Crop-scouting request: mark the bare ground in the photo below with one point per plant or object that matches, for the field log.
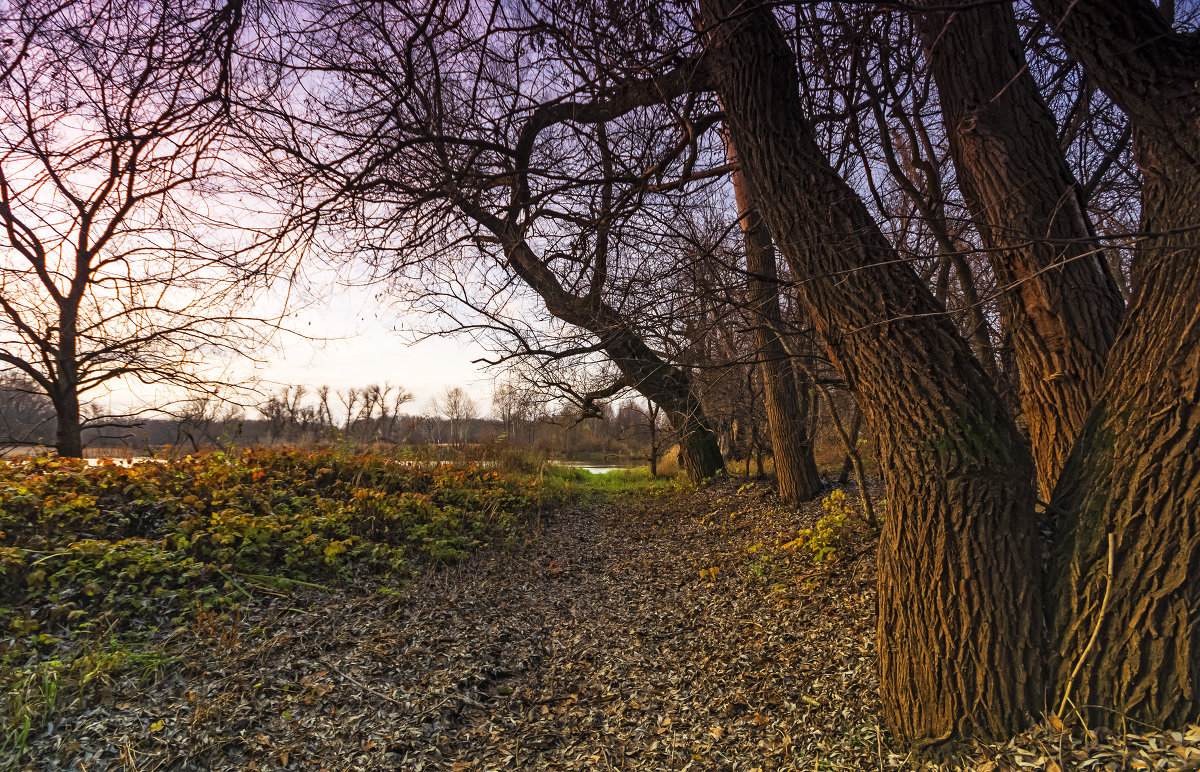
(600, 639)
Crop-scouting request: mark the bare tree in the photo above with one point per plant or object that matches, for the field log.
(479, 183)
(372, 412)
(515, 405)
(26, 414)
(460, 410)
(350, 403)
(208, 421)
(114, 146)
(654, 435)
(324, 414)
(380, 412)
(288, 419)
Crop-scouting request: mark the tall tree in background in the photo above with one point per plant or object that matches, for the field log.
(795, 465)
(113, 143)
(460, 410)
(515, 404)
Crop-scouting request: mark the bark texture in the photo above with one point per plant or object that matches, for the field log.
(1134, 477)
(1061, 304)
(959, 611)
(795, 465)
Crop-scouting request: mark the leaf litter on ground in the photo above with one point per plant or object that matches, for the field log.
(673, 632)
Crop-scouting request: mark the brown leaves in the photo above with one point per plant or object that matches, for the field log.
(594, 646)
(623, 659)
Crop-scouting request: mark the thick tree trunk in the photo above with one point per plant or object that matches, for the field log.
(1135, 478)
(959, 610)
(68, 441)
(795, 465)
(699, 453)
(1127, 614)
(1061, 304)
(670, 388)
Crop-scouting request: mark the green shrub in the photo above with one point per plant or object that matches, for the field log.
(109, 551)
(831, 531)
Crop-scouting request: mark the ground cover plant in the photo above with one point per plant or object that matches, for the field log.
(626, 631)
(100, 565)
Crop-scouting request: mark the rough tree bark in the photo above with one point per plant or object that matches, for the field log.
(68, 437)
(1133, 479)
(959, 610)
(1061, 304)
(795, 465)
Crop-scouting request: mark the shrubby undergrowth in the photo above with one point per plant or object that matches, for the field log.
(94, 558)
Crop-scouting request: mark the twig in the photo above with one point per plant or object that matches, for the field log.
(1095, 630)
(329, 664)
(879, 746)
(284, 580)
(851, 451)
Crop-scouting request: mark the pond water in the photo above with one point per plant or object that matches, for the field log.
(591, 468)
(123, 461)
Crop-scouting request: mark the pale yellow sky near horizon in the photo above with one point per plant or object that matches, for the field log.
(365, 343)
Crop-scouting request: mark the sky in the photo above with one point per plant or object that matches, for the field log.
(364, 342)
(369, 344)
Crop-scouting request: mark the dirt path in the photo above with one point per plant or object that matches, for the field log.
(596, 644)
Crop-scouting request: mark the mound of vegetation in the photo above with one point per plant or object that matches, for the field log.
(96, 559)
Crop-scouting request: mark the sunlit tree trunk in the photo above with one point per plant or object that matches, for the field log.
(1061, 304)
(1128, 563)
(959, 611)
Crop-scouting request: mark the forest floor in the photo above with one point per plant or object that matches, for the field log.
(674, 631)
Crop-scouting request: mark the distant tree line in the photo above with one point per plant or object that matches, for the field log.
(370, 416)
